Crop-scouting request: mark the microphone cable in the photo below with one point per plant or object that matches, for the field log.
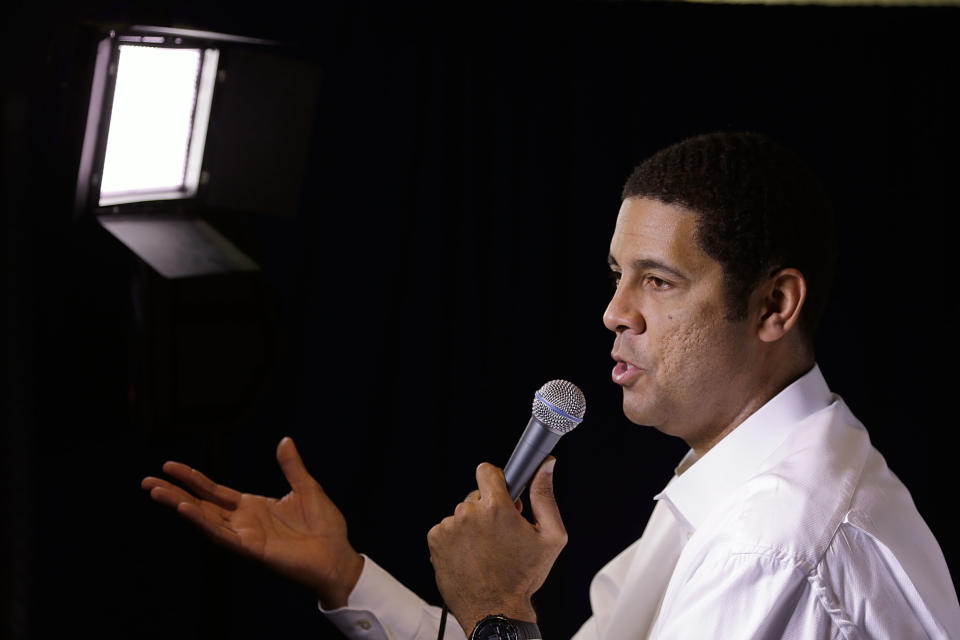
(443, 622)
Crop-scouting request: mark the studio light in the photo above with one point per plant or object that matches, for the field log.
(158, 123)
(184, 124)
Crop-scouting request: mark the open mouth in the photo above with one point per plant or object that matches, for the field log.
(625, 372)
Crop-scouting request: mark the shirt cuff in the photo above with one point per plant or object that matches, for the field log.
(379, 607)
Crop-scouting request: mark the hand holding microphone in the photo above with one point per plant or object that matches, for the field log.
(487, 557)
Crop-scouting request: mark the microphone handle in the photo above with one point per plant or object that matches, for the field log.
(535, 444)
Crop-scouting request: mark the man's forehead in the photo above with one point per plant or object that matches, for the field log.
(651, 225)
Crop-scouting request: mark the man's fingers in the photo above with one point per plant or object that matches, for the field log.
(150, 482)
(203, 486)
(546, 513)
(491, 483)
(293, 468)
(210, 518)
(167, 494)
(174, 497)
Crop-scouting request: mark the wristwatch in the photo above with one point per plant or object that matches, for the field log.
(500, 627)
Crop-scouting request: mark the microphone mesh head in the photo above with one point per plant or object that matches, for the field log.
(559, 405)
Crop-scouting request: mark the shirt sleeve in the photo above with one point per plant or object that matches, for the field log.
(381, 608)
(758, 595)
(765, 594)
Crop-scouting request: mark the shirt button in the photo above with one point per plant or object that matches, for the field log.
(364, 624)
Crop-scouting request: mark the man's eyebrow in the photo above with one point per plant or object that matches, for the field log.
(643, 264)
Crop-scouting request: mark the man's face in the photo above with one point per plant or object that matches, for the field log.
(682, 365)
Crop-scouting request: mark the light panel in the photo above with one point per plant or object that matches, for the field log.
(151, 123)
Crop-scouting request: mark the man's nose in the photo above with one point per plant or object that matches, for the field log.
(622, 313)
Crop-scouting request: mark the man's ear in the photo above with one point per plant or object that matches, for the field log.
(782, 297)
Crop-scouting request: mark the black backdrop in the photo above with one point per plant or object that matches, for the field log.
(448, 258)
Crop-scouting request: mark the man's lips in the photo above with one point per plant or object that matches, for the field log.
(624, 372)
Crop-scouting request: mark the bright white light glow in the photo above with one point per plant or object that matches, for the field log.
(151, 122)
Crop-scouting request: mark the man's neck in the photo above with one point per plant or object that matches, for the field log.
(765, 387)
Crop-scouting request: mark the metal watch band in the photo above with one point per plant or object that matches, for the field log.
(527, 630)
(524, 630)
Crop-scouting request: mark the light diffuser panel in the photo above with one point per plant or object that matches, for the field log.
(150, 122)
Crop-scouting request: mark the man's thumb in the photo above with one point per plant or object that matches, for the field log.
(292, 465)
(542, 501)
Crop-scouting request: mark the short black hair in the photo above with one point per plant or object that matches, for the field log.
(759, 208)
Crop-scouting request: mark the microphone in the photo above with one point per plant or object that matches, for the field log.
(558, 407)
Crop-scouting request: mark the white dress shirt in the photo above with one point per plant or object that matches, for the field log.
(792, 526)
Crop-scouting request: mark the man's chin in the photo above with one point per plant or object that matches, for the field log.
(637, 413)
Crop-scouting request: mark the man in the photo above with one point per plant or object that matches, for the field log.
(781, 521)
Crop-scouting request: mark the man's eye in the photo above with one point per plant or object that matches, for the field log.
(658, 283)
(615, 278)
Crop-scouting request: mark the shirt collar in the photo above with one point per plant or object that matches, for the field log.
(699, 484)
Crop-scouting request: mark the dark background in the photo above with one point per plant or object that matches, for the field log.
(448, 258)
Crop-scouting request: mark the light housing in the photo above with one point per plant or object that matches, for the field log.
(175, 111)
(183, 124)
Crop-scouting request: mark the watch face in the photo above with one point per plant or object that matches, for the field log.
(496, 629)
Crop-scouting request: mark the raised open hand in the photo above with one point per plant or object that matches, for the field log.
(302, 536)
